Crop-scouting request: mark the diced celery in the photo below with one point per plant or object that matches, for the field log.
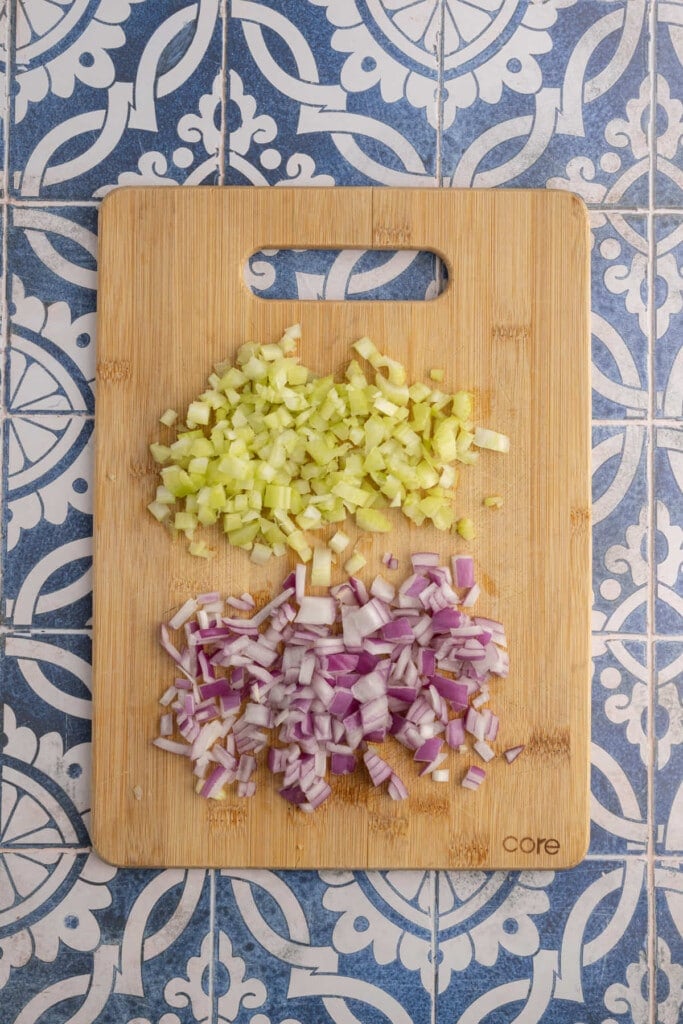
(465, 527)
(355, 563)
(372, 521)
(260, 554)
(185, 521)
(321, 567)
(198, 412)
(231, 522)
(159, 511)
(160, 452)
(199, 549)
(244, 534)
(338, 542)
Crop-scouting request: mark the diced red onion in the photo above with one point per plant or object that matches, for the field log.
(512, 753)
(328, 693)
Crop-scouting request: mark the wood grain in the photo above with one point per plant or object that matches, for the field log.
(512, 326)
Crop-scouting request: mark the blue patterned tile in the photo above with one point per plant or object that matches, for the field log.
(52, 287)
(80, 939)
(554, 95)
(669, 535)
(334, 92)
(669, 176)
(620, 530)
(669, 323)
(668, 769)
(47, 521)
(4, 33)
(534, 945)
(352, 274)
(341, 942)
(620, 315)
(620, 746)
(114, 93)
(669, 940)
(45, 755)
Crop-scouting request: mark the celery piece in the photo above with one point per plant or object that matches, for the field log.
(372, 521)
(159, 511)
(366, 348)
(491, 439)
(244, 534)
(231, 522)
(185, 521)
(338, 542)
(355, 563)
(260, 554)
(160, 452)
(465, 527)
(321, 568)
(199, 549)
(207, 516)
(198, 412)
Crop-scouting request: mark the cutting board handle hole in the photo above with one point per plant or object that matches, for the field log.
(382, 275)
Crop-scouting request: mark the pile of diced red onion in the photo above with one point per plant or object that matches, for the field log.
(315, 679)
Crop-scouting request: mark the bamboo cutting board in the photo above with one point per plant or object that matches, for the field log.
(512, 326)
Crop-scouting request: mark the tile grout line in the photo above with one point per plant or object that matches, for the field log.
(435, 943)
(5, 335)
(438, 166)
(651, 410)
(224, 93)
(212, 943)
(593, 208)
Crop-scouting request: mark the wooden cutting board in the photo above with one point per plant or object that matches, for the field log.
(513, 327)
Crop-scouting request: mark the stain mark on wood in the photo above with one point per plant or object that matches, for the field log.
(114, 371)
(398, 234)
(429, 805)
(395, 828)
(222, 819)
(348, 791)
(488, 583)
(518, 333)
(550, 743)
(469, 853)
(139, 469)
(580, 519)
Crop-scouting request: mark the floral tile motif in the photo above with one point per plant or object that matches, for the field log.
(296, 945)
(45, 755)
(352, 274)
(335, 92)
(669, 176)
(620, 530)
(668, 773)
(669, 322)
(549, 94)
(669, 535)
(50, 362)
(80, 938)
(668, 939)
(47, 521)
(540, 945)
(620, 315)
(619, 747)
(108, 92)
